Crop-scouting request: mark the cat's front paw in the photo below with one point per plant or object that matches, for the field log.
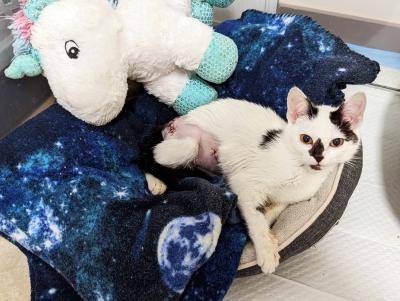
(267, 254)
(155, 185)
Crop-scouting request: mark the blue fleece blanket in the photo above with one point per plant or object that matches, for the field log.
(73, 198)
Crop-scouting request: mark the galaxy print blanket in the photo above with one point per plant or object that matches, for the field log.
(73, 199)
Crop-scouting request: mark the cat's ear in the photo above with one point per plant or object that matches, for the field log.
(353, 109)
(298, 105)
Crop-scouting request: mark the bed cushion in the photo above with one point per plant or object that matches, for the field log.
(14, 273)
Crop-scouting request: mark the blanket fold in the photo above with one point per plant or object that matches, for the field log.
(73, 198)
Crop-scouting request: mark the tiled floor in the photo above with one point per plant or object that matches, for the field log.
(360, 258)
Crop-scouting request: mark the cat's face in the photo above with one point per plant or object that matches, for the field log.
(323, 136)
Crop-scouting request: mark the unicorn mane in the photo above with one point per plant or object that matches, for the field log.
(22, 22)
(26, 60)
(21, 30)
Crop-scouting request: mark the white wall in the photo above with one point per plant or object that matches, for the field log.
(380, 11)
(235, 10)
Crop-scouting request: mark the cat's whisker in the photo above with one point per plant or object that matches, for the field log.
(354, 161)
(351, 164)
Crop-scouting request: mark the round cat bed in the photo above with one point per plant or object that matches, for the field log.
(302, 225)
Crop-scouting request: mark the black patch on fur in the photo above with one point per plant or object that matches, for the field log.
(264, 207)
(336, 118)
(317, 150)
(270, 137)
(312, 111)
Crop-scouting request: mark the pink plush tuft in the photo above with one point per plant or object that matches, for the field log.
(22, 24)
(22, 3)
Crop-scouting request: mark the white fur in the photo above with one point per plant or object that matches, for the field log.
(94, 85)
(168, 87)
(279, 173)
(153, 41)
(176, 152)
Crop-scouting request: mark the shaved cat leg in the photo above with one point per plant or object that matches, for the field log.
(265, 243)
(169, 176)
(174, 153)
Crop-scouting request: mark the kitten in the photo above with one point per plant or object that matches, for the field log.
(268, 162)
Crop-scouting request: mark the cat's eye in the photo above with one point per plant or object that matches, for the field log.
(336, 142)
(306, 139)
(72, 49)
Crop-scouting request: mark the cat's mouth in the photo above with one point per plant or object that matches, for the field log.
(316, 167)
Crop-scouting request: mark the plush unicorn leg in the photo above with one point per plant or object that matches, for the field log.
(181, 90)
(203, 10)
(168, 87)
(197, 49)
(181, 6)
(220, 3)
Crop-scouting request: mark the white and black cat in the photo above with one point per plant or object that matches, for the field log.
(268, 162)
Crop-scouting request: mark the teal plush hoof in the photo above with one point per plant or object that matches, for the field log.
(203, 11)
(23, 65)
(195, 94)
(220, 59)
(220, 3)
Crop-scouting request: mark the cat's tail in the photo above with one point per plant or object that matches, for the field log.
(176, 153)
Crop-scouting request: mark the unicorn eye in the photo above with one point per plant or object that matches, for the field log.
(72, 49)
(306, 139)
(336, 142)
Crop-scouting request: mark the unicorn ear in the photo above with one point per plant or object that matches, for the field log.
(23, 65)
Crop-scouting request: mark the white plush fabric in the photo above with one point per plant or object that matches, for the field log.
(155, 42)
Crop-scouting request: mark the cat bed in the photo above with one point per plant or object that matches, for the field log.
(276, 53)
(302, 225)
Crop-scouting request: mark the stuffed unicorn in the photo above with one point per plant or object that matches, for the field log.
(89, 49)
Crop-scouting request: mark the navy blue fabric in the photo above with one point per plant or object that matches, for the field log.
(277, 52)
(71, 194)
